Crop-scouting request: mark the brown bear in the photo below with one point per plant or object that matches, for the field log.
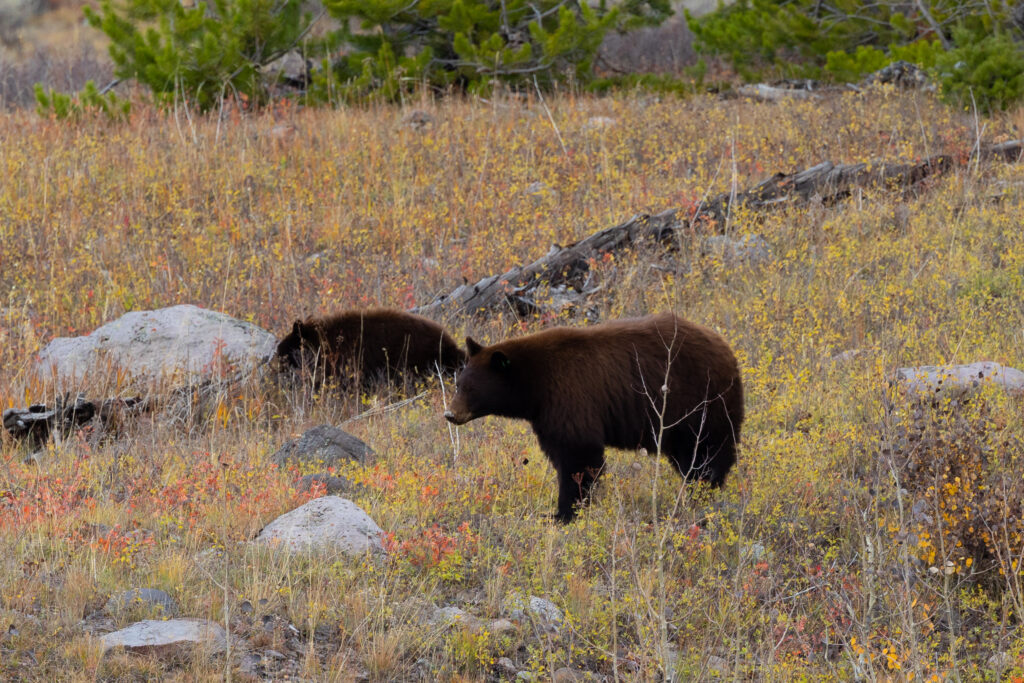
(369, 346)
(626, 384)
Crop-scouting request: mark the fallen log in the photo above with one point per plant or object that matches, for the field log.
(37, 422)
(827, 182)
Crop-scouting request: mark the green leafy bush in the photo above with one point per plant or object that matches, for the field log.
(65, 106)
(989, 71)
(866, 59)
(470, 44)
(845, 38)
(202, 53)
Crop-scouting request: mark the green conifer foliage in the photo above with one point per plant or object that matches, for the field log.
(199, 54)
(471, 44)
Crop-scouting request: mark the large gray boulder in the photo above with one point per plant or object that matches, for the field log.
(322, 445)
(940, 381)
(181, 343)
(14, 13)
(324, 525)
(168, 638)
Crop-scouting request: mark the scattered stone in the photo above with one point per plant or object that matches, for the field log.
(168, 638)
(418, 119)
(290, 69)
(540, 191)
(903, 75)
(569, 675)
(846, 356)
(999, 662)
(538, 608)
(454, 616)
(328, 523)
(142, 597)
(527, 677)
(14, 14)
(505, 668)
(749, 250)
(182, 343)
(323, 445)
(756, 551)
(718, 665)
(931, 381)
(599, 123)
(500, 626)
(251, 664)
(282, 132)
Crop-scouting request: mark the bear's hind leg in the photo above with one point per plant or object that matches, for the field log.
(577, 475)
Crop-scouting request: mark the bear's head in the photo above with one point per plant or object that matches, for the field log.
(302, 345)
(493, 382)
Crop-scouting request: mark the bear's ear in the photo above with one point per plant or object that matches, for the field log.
(499, 361)
(297, 327)
(472, 346)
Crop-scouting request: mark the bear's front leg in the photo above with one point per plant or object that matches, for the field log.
(576, 477)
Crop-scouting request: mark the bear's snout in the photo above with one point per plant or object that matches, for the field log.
(454, 419)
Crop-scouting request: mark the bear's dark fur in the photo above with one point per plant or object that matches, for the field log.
(369, 346)
(583, 389)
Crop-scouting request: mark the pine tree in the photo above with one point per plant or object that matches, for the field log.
(470, 44)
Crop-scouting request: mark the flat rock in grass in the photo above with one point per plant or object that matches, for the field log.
(142, 597)
(538, 608)
(934, 381)
(505, 668)
(168, 638)
(454, 616)
(324, 524)
(748, 250)
(181, 344)
(322, 445)
(569, 675)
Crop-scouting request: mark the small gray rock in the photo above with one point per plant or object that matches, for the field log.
(324, 524)
(168, 638)
(323, 444)
(540, 191)
(500, 626)
(142, 597)
(418, 120)
(569, 675)
(932, 381)
(445, 616)
(749, 250)
(505, 668)
(717, 665)
(538, 608)
(599, 123)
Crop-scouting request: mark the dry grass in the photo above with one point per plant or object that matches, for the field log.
(798, 569)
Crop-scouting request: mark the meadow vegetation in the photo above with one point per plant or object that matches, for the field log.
(859, 537)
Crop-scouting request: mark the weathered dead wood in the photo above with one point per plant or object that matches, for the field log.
(561, 265)
(827, 182)
(37, 422)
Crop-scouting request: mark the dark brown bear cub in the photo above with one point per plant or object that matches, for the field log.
(624, 384)
(369, 346)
